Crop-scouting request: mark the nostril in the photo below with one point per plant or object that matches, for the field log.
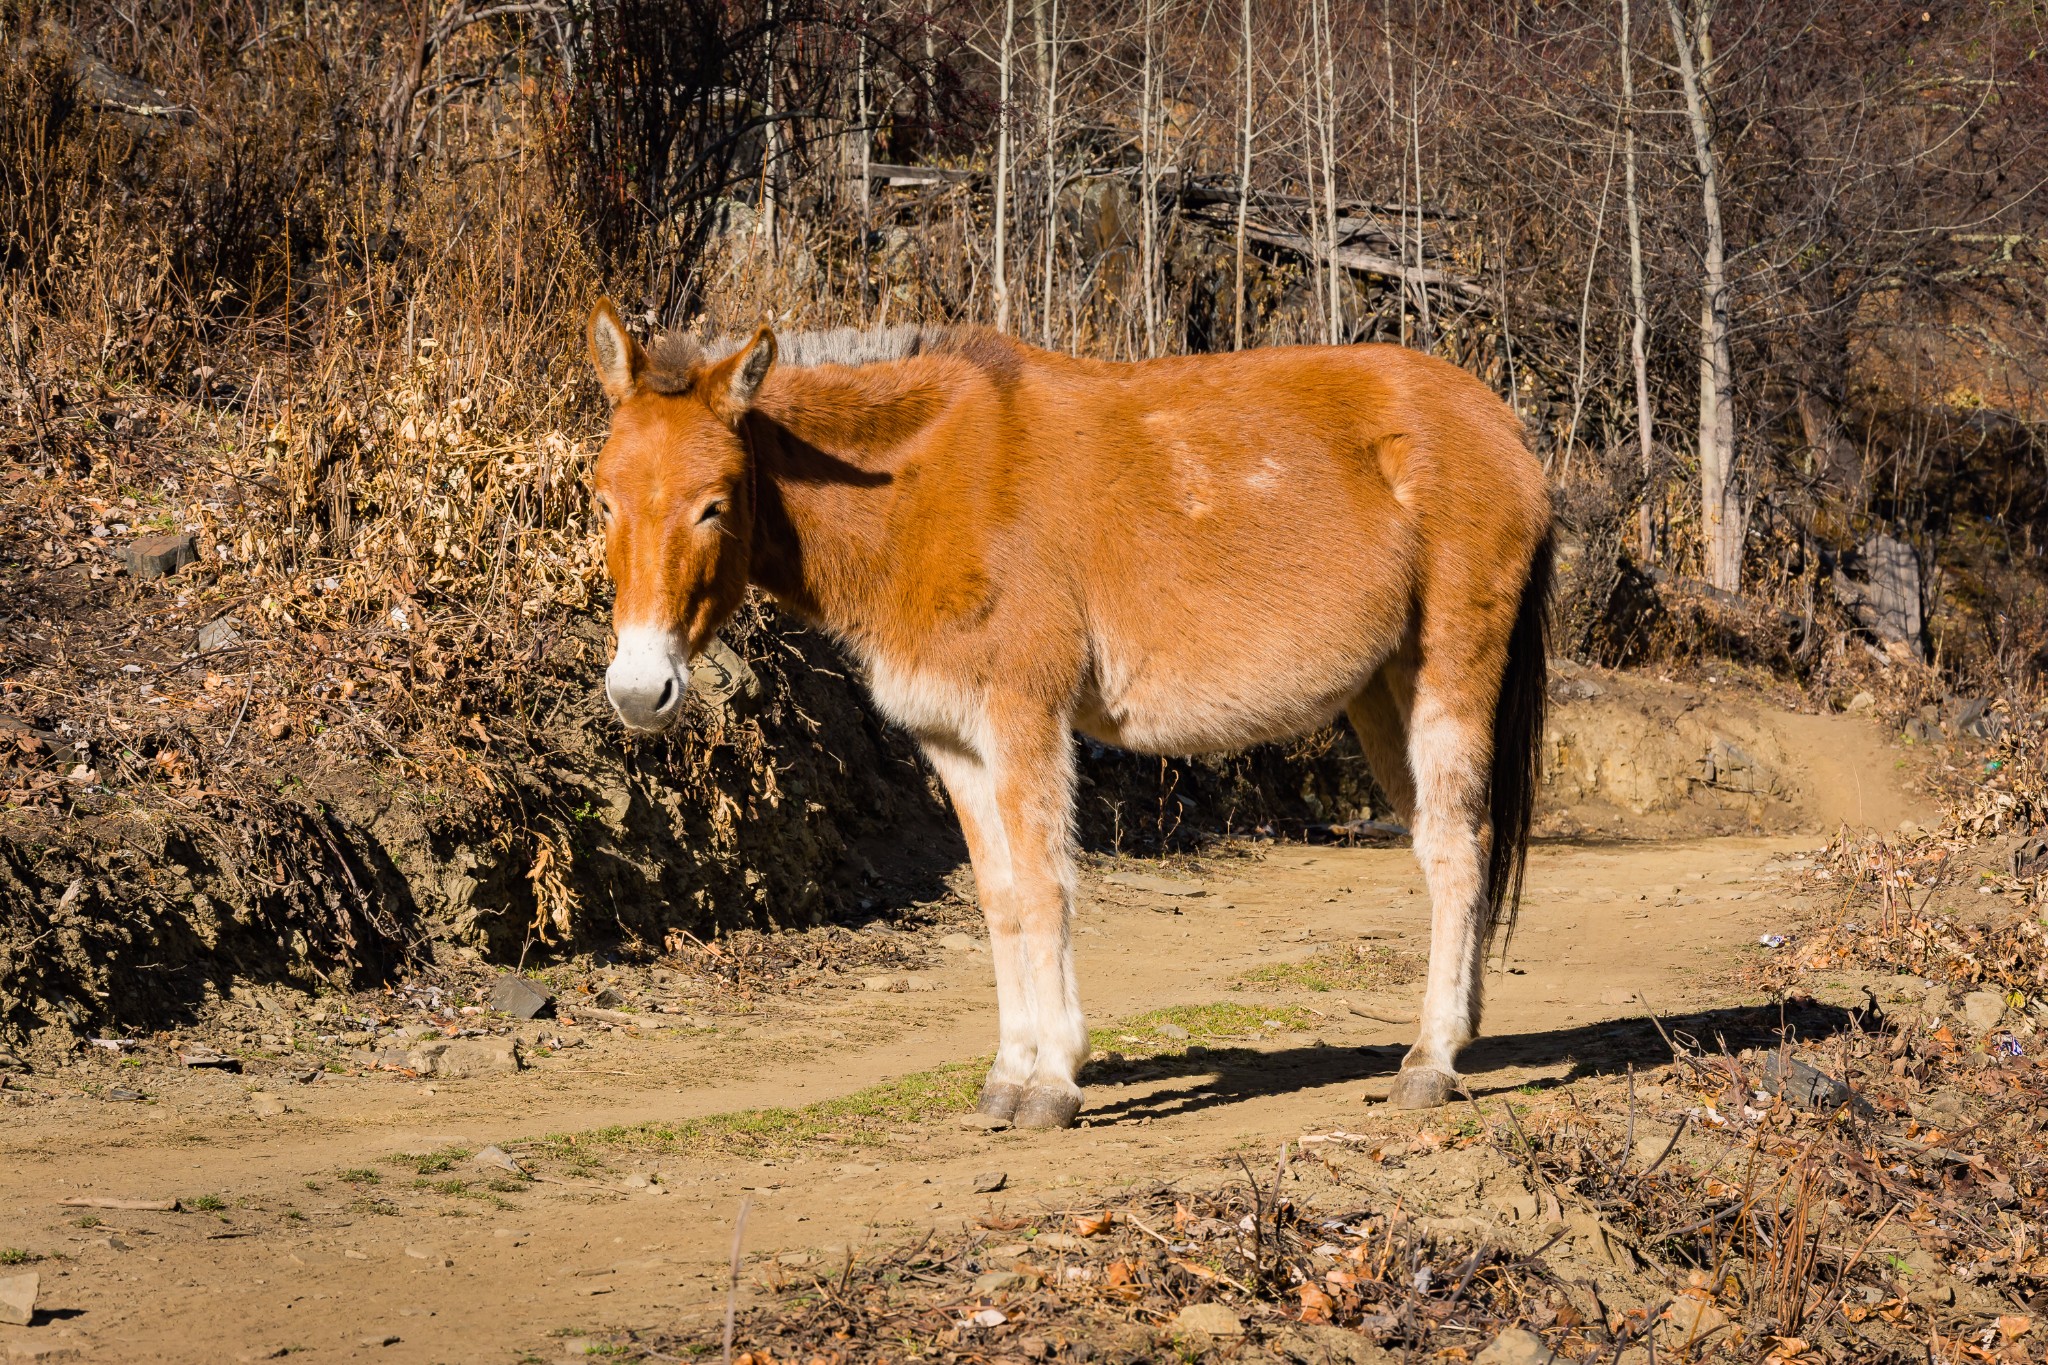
(668, 692)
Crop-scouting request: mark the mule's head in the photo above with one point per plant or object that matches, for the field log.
(674, 491)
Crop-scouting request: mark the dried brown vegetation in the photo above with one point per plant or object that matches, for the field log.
(299, 281)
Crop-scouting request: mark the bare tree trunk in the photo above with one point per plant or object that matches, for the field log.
(1002, 280)
(1425, 328)
(771, 138)
(1401, 192)
(1571, 436)
(1052, 85)
(1147, 245)
(866, 159)
(1721, 515)
(1244, 170)
(1323, 57)
(1639, 333)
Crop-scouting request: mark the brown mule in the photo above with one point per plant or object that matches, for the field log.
(1174, 556)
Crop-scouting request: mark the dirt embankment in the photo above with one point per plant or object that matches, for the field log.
(785, 802)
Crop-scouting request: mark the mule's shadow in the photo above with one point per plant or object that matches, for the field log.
(1229, 1075)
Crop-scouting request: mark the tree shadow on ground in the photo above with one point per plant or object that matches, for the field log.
(1231, 1075)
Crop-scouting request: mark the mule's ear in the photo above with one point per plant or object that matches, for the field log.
(620, 361)
(731, 385)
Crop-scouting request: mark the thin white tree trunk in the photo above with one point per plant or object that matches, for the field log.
(1639, 332)
(1326, 133)
(1721, 517)
(1052, 84)
(1002, 280)
(866, 149)
(1147, 245)
(1244, 171)
(1424, 327)
(1401, 191)
(771, 138)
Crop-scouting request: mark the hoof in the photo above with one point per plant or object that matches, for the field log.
(1421, 1087)
(999, 1101)
(1048, 1109)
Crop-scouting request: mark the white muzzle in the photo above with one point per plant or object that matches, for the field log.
(647, 678)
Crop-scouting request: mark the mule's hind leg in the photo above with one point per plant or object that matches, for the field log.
(1379, 717)
(1450, 748)
(970, 781)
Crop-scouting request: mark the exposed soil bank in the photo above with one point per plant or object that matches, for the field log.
(785, 802)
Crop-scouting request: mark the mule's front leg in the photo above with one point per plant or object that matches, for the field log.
(1035, 794)
(971, 783)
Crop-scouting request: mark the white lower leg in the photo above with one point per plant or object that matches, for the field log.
(1450, 859)
(1448, 761)
(1018, 1030)
(971, 783)
(1056, 1011)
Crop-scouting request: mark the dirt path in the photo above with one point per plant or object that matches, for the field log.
(287, 1244)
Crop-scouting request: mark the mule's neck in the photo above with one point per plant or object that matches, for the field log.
(828, 448)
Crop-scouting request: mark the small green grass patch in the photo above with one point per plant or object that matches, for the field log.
(1347, 967)
(869, 1117)
(432, 1163)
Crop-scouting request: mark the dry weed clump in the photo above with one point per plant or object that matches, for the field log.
(1167, 1274)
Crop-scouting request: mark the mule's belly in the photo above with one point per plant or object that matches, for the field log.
(1236, 701)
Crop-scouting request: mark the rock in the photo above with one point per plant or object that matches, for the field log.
(719, 674)
(200, 1055)
(636, 1181)
(1860, 703)
(1158, 886)
(1691, 1316)
(18, 1298)
(430, 1256)
(1516, 1346)
(379, 1339)
(264, 1353)
(1618, 995)
(155, 556)
(958, 943)
(123, 1095)
(1314, 1343)
(44, 1350)
(988, 1182)
(1002, 1282)
(518, 997)
(1887, 601)
(215, 636)
(1173, 1031)
(1809, 1087)
(1982, 1010)
(496, 1158)
(1972, 718)
(268, 1106)
(460, 1058)
(987, 1123)
(1210, 1319)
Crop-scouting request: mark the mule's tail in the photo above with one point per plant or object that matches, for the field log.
(1518, 744)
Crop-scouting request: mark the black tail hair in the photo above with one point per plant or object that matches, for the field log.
(1518, 743)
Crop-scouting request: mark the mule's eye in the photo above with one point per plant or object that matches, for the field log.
(712, 511)
(604, 513)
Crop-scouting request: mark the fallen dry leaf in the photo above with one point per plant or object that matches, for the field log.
(1315, 1304)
